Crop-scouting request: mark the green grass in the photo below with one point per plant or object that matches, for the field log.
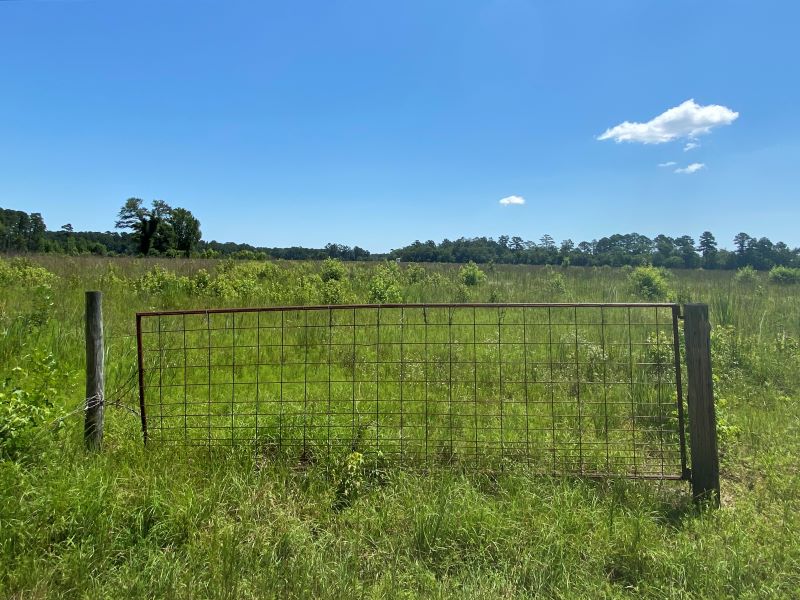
(188, 523)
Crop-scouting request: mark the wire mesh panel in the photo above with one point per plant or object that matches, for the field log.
(591, 389)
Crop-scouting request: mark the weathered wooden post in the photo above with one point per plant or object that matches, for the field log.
(702, 419)
(95, 372)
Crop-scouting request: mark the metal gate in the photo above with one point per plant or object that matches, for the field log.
(589, 389)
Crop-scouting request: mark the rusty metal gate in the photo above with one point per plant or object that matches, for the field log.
(589, 389)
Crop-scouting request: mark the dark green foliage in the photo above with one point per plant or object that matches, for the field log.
(165, 231)
(21, 231)
(616, 250)
(187, 230)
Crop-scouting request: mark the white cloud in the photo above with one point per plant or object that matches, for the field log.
(687, 120)
(692, 168)
(509, 200)
(691, 146)
(670, 163)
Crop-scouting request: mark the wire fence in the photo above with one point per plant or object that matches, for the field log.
(590, 389)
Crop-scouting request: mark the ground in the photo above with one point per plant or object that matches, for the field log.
(160, 522)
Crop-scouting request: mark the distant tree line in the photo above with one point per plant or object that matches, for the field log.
(162, 230)
(616, 250)
(159, 230)
(21, 231)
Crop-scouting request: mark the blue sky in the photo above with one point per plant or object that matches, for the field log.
(377, 123)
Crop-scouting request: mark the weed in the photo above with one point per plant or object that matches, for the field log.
(470, 274)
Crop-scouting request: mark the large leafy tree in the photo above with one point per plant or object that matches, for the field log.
(186, 229)
(150, 226)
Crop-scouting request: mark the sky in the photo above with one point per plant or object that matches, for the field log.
(379, 123)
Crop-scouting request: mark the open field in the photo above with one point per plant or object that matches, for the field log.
(234, 524)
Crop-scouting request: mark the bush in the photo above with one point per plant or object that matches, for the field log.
(555, 283)
(333, 270)
(416, 274)
(159, 280)
(24, 273)
(470, 274)
(384, 287)
(649, 283)
(746, 276)
(333, 291)
(784, 275)
(26, 404)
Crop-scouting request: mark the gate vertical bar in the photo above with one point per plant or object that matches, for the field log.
(702, 419)
(140, 360)
(676, 341)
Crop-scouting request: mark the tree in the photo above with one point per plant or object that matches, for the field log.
(68, 228)
(741, 240)
(147, 225)
(708, 244)
(665, 248)
(547, 241)
(37, 231)
(708, 248)
(186, 229)
(685, 245)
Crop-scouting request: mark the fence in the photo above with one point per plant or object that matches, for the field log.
(589, 389)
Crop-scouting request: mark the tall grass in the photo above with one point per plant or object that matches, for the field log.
(130, 522)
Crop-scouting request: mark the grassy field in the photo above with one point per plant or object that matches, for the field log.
(186, 523)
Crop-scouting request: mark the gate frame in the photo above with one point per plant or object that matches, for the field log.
(704, 471)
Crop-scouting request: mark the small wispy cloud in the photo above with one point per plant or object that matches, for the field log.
(692, 168)
(687, 120)
(670, 163)
(512, 200)
(691, 146)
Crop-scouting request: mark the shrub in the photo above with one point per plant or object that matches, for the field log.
(333, 270)
(555, 283)
(201, 281)
(111, 278)
(384, 287)
(470, 274)
(24, 273)
(238, 281)
(462, 293)
(159, 280)
(416, 274)
(649, 283)
(727, 354)
(333, 291)
(746, 276)
(26, 404)
(784, 275)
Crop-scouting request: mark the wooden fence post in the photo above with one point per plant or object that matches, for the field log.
(95, 372)
(702, 419)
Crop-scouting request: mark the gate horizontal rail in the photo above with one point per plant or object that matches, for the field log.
(569, 388)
